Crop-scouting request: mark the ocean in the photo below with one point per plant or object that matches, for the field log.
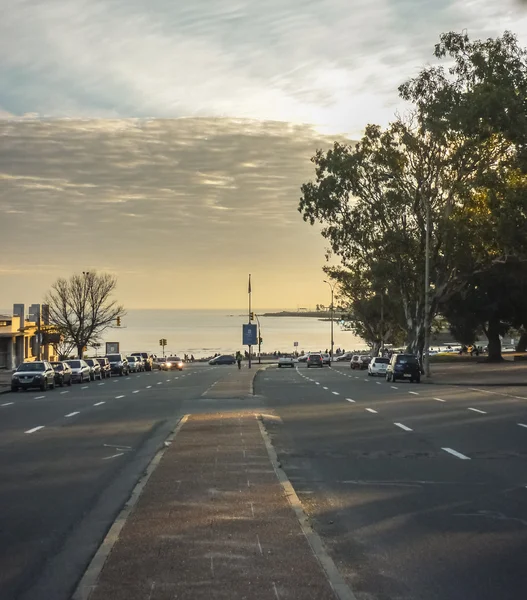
(205, 332)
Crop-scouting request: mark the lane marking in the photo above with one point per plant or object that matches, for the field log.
(159, 382)
(336, 393)
(440, 399)
(403, 427)
(84, 387)
(34, 429)
(414, 393)
(371, 410)
(317, 382)
(72, 414)
(117, 397)
(350, 400)
(522, 425)
(367, 380)
(135, 392)
(100, 384)
(7, 404)
(168, 380)
(324, 387)
(378, 383)
(66, 392)
(394, 388)
(127, 378)
(113, 456)
(456, 454)
(98, 403)
(39, 397)
(477, 410)
(148, 387)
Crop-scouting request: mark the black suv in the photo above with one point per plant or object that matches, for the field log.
(62, 373)
(403, 366)
(106, 370)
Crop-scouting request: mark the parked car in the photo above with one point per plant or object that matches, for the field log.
(157, 362)
(326, 358)
(403, 366)
(223, 359)
(80, 370)
(378, 366)
(303, 358)
(62, 373)
(106, 370)
(286, 361)
(95, 368)
(355, 361)
(39, 374)
(343, 357)
(118, 364)
(135, 363)
(315, 360)
(172, 363)
(146, 358)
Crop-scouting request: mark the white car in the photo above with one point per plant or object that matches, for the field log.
(378, 366)
(326, 359)
(286, 361)
(80, 370)
(135, 363)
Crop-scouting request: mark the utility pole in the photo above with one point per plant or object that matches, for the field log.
(250, 316)
(382, 322)
(331, 287)
(426, 357)
(259, 340)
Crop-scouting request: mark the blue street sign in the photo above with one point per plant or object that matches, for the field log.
(249, 335)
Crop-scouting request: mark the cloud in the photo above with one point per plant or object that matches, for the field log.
(332, 63)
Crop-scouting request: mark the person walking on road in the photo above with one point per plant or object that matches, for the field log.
(239, 359)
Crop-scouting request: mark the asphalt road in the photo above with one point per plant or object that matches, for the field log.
(69, 459)
(419, 491)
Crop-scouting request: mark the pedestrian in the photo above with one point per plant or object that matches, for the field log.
(239, 359)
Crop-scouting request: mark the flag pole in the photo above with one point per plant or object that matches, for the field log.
(250, 315)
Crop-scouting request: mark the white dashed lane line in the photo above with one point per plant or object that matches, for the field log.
(113, 456)
(456, 454)
(98, 403)
(66, 392)
(477, 410)
(72, 414)
(404, 427)
(317, 382)
(159, 382)
(85, 387)
(39, 397)
(378, 383)
(148, 387)
(117, 397)
(414, 393)
(100, 384)
(394, 388)
(440, 399)
(371, 410)
(34, 429)
(324, 387)
(350, 400)
(135, 392)
(522, 425)
(7, 404)
(336, 393)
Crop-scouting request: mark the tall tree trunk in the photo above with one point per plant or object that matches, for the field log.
(493, 335)
(521, 346)
(80, 351)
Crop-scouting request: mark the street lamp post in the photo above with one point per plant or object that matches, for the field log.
(382, 322)
(332, 287)
(426, 357)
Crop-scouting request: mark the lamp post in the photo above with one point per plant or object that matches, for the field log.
(426, 357)
(382, 322)
(259, 338)
(332, 287)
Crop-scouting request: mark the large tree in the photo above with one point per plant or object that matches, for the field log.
(81, 308)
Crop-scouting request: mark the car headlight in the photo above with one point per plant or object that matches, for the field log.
(180, 364)
(14, 377)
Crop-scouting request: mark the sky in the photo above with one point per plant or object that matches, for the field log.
(166, 141)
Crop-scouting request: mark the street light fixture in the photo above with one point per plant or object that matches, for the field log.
(332, 287)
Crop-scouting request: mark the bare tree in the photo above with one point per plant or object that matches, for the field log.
(81, 308)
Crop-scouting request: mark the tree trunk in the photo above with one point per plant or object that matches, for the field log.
(522, 343)
(493, 335)
(80, 351)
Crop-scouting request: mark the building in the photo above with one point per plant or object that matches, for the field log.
(19, 339)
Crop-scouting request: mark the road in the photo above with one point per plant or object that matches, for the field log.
(419, 491)
(69, 458)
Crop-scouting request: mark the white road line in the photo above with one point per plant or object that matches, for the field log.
(355, 376)
(371, 410)
(34, 429)
(336, 393)
(72, 414)
(135, 392)
(85, 387)
(98, 403)
(169, 380)
(39, 397)
(350, 400)
(522, 425)
(378, 382)
(148, 387)
(456, 454)
(100, 384)
(7, 404)
(414, 393)
(477, 410)
(367, 380)
(159, 382)
(115, 380)
(403, 427)
(317, 382)
(324, 387)
(113, 456)
(117, 397)
(66, 392)
(394, 388)
(128, 378)
(440, 399)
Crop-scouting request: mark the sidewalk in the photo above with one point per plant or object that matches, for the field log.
(5, 380)
(212, 523)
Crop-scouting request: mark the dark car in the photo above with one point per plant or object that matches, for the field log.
(146, 358)
(38, 374)
(62, 373)
(223, 359)
(364, 361)
(403, 366)
(315, 360)
(95, 368)
(106, 370)
(118, 364)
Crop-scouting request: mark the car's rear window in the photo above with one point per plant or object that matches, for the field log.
(383, 361)
(74, 363)
(114, 357)
(407, 359)
(34, 366)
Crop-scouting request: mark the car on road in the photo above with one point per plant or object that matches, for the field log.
(118, 364)
(146, 359)
(378, 366)
(106, 370)
(286, 361)
(360, 361)
(172, 363)
(135, 364)
(38, 374)
(62, 373)
(355, 361)
(223, 359)
(95, 368)
(157, 362)
(326, 358)
(403, 366)
(315, 360)
(80, 370)
(343, 357)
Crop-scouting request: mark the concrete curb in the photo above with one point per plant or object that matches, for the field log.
(340, 587)
(260, 368)
(91, 575)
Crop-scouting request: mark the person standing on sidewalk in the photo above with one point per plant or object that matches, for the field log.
(239, 359)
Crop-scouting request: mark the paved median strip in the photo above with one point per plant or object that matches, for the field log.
(404, 427)
(34, 429)
(456, 454)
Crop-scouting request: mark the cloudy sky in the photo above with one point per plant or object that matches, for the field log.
(166, 140)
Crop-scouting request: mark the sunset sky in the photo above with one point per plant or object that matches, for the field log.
(166, 141)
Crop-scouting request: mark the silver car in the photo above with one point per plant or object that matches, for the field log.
(134, 363)
(80, 370)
